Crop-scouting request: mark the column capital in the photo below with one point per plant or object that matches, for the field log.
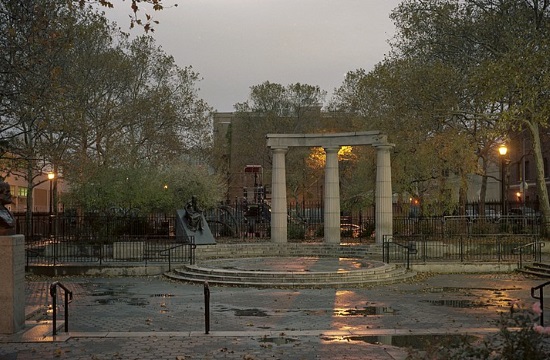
(383, 146)
(331, 148)
(279, 149)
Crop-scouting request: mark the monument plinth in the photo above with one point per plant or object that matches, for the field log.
(12, 269)
(12, 283)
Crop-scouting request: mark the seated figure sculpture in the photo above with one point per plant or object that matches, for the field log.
(7, 223)
(193, 214)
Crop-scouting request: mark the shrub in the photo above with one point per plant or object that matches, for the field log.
(519, 337)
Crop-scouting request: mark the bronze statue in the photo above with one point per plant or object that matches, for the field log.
(193, 214)
(7, 223)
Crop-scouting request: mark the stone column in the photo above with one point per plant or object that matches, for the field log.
(332, 196)
(278, 196)
(383, 198)
(12, 283)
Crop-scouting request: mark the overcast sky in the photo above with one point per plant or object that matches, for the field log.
(235, 44)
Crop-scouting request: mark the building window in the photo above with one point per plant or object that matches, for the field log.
(527, 171)
(22, 191)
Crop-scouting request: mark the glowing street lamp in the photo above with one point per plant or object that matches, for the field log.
(503, 150)
(51, 177)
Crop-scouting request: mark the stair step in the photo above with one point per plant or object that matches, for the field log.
(312, 284)
(254, 279)
(537, 269)
(541, 265)
(536, 273)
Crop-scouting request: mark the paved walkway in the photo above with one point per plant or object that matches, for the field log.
(156, 318)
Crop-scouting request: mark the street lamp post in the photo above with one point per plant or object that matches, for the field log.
(51, 176)
(503, 150)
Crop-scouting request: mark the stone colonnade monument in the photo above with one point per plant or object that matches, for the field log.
(331, 143)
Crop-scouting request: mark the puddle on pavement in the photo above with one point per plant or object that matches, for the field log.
(162, 295)
(250, 312)
(418, 342)
(464, 304)
(278, 340)
(446, 289)
(115, 293)
(365, 311)
(129, 301)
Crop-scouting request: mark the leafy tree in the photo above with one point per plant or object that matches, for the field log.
(146, 189)
(274, 108)
(413, 103)
(501, 47)
(81, 99)
(33, 37)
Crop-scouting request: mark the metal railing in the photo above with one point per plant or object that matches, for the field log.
(540, 298)
(490, 248)
(68, 299)
(409, 249)
(191, 253)
(535, 248)
(146, 249)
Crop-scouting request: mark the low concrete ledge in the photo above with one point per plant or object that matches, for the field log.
(466, 267)
(220, 251)
(120, 269)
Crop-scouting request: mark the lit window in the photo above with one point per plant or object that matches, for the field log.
(22, 191)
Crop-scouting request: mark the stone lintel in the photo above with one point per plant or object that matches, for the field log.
(327, 140)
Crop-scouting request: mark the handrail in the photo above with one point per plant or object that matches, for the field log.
(519, 249)
(192, 247)
(68, 296)
(540, 288)
(30, 251)
(410, 248)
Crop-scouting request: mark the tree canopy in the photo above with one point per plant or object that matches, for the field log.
(461, 76)
(79, 98)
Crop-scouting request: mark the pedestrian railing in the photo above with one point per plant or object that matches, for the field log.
(68, 299)
(532, 248)
(191, 253)
(540, 298)
(461, 248)
(407, 249)
(146, 249)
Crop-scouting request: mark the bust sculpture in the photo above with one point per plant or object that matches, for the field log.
(7, 223)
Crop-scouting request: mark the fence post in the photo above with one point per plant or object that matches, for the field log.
(206, 308)
(461, 247)
(499, 248)
(53, 293)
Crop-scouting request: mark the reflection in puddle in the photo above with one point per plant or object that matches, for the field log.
(109, 293)
(464, 304)
(278, 340)
(250, 312)
(467, 289)
(419, 342)
(162, 295)
(458, 303)
(366, 311)
(129, 301)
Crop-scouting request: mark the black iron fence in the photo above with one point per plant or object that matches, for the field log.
(135, 249)
(422, 248)
(102, 239)
(95, 238)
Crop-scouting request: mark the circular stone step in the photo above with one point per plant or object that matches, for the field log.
(308, 271)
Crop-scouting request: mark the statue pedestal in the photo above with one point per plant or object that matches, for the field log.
(12, 283)
(201, 237)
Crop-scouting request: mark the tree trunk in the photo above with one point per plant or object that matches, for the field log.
(541, 181)
(483, 190)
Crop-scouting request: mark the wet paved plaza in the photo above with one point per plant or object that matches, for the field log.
(157, 318)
